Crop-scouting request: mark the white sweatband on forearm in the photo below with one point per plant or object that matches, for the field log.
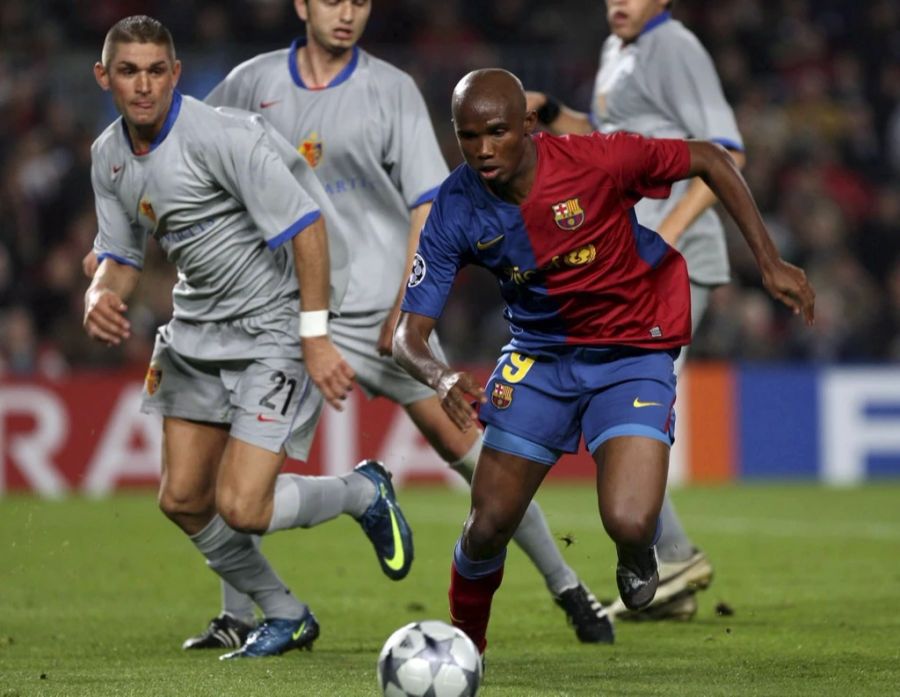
(314, 323)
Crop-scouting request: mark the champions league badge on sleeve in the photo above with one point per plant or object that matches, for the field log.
(418, 271)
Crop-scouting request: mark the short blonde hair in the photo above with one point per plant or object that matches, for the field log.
(139, 29)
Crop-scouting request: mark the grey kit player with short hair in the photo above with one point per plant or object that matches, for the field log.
(221, 197)
(363, 125)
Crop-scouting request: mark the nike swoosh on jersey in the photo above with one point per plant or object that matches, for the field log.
(395, 563)
(265, 419)
(296, 635)
(489, 243)
(266, 105)
(637, 404)
(117, 169)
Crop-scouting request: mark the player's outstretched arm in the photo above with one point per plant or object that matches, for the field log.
(455, 390)
(784, 281)
(327, 368)
(104, 302)
(557, 118)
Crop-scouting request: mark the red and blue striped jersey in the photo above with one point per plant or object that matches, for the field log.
(573, 263)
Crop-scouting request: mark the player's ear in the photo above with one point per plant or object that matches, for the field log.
(101, 76)
(176, 71)
(530, 121)
(302, 9)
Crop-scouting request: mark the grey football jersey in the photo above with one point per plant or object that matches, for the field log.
(370, 141)
(221, 203)
(338, 246)
(664, 85)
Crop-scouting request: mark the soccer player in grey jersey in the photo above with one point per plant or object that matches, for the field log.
(226, 373)
(656, 79)
(364, 127)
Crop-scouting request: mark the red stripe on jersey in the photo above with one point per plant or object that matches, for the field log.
(615, 282)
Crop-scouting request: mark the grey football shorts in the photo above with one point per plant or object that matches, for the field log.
(356, 336)
(268, 402)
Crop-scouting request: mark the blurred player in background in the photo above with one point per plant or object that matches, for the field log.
(598, 305)
(364, 127)
(226, 373)
(656, 79)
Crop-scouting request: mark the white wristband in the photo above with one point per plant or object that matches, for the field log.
(314, 323)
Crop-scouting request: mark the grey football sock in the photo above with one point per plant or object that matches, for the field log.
(534, 537)
(303, 502)
(239, 605)
(674, 544)
(237, 560)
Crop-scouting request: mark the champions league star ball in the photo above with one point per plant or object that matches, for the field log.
(429, 659)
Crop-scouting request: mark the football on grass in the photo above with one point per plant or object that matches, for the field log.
(429, 659)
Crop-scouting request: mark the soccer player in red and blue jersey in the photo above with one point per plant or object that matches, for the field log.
(598, 306)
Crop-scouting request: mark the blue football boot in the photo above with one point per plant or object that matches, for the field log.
(384, 523)
(274, 637)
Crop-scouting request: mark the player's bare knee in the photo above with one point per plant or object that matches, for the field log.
(249, 522)
(627, 527)
(240, 514)
(179, 504)
(488, 534)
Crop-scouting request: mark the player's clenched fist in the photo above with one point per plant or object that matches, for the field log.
(789, 284)
(328, 369)
(104, 317)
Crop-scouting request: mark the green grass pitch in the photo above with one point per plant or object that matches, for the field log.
(96, 597)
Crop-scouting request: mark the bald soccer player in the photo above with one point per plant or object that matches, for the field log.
(599, 308)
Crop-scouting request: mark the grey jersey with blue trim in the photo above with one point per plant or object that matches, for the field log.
(664, 85)
(371, 143)
(338, 245)
(222, 204)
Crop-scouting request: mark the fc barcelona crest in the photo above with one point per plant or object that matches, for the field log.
(311, 149)
(501, 396)
(568, 215)
(151, 382)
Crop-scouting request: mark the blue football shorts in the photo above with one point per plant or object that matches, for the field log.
(539, 406)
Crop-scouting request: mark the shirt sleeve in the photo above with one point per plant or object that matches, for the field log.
(230, 92)
(117, 237)
(642, 167)
(686, 80)
(412, 154)
(246, 164)
(437, 261)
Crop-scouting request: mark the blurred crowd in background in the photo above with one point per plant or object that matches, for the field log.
(815, 85)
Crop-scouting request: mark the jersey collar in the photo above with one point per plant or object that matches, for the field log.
(656, 21)
(174, 108)
(342, 76)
